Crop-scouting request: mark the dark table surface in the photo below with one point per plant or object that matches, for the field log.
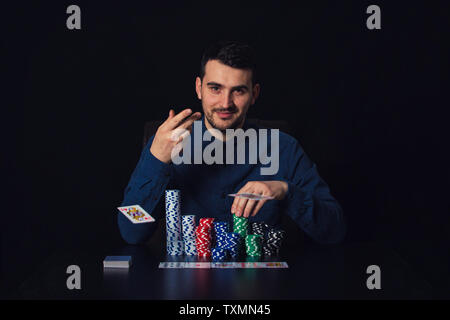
(315, 272)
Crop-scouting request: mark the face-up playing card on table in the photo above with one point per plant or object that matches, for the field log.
(198, 265)
(275, 265)
(136, 214)
(172, 265)
(222, 265)
(250, 196)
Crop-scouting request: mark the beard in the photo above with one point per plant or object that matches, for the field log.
(236, 123)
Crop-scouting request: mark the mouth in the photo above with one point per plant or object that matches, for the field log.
(225, 115)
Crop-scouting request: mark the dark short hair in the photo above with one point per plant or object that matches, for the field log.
(231, 53)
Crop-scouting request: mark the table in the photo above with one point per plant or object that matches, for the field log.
(315, 272)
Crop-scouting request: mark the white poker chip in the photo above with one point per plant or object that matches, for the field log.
(173, 217)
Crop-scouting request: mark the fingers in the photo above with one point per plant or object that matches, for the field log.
(236, 200)
(177, 148)
(249, 208)
(258, 207)
(234, 205)
(178, 134)
(188, 123)
(240, 205)
(184, 129)
(175, 121)
(182, 120)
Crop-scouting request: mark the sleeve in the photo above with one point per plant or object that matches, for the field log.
(309, 201)
(145, 188)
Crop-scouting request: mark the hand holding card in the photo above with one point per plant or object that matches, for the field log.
(250, 196)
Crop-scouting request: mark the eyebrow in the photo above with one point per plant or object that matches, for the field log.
(242, 86)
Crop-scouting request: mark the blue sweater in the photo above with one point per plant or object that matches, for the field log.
(204, 190)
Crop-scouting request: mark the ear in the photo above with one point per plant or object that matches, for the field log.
(198, 87)
(256, 90)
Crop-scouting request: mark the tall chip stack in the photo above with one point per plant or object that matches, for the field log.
(188, 228)
(174, 239)
(204, 237)
(220, 232)
(240, 226)
(219, 252)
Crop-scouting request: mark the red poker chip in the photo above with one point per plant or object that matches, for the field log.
(204, 255)
(201, 229)
(206, 222)
(204, 237)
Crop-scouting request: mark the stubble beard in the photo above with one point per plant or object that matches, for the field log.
(234, 125)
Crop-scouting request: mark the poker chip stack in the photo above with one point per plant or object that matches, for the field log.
(219, 253)
(260, 228)
(240, 225)
(204, 237)
(174, 240)
(273, 242)
(253, 244)
(207, 222)
(220, 232)
(233, 244)
(272, 238)
(188, 228)
(175, 248)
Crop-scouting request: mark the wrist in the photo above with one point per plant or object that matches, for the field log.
(159, 157)
(284, 188)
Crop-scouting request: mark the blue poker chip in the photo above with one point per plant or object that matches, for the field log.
(232, 244)
(219, 254)
(221, 245)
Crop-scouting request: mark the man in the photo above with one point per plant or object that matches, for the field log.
(227, 88)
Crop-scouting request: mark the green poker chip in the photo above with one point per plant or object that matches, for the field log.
(240, 225)
(253, 244)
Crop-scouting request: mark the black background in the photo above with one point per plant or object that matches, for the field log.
(369, 108)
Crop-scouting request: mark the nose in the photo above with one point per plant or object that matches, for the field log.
(227, 100)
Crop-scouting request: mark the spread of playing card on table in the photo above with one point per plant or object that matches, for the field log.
(136, 214)
(251, 196)
(223, 265)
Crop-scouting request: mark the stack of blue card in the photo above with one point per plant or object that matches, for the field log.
(117, 262)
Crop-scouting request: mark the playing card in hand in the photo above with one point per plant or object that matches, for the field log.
(251, 196)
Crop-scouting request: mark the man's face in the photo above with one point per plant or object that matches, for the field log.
(226, 95)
